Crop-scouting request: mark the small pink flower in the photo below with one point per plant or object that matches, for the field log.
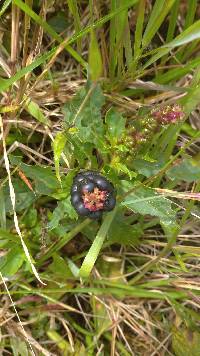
(168, 114)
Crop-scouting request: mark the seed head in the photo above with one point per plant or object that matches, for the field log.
(169, 114)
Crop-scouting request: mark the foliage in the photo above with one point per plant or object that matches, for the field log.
(113, 87)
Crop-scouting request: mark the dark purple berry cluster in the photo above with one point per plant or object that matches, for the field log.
(92, 194)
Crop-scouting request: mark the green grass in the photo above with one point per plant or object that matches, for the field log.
(88, 85)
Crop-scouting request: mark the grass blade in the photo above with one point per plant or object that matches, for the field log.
(94, 250)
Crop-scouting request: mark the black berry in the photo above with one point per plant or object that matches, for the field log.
(92, 194)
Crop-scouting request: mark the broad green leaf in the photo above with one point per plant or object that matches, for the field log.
(34, 110)
(63, 210)
(59, 268)
(84, 111)
(115, 125)
(24, 196)
(146, 201)
(147, 168)
(187, 170)
(123, 232)
(185, 342)
(44, 177)
(95, 60)
(58, 147)
(12, 261)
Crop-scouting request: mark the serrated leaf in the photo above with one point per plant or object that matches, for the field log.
(187, 170)
(146, 201)
(87, 118)
(120, 167)
(58, 147)
(95, 60)
(115, 125)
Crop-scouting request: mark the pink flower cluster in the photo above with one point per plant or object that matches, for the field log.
(95, 200)
(169, 114)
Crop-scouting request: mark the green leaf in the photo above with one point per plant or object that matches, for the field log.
(5, 6)
(19, 347)
(84, 111)
(58, 147)
(123, 232)
(191, 100)
(44, 177)
(60, 342)
(185, 342)
(146, 201)
(115, 125)
(122, 168)
(190, 34)
(187, 170)
(24, 196)
(139, 28)
(94, 250)
(59, 22)
(95, 60)
(30, 219)
(12, 261)
(158, 14)
(147, 168)
(34, 109)
(2, 210)
(59, 268)
(63, 210)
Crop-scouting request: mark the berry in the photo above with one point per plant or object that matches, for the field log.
(74, 188)
(76, 199)
(92, 194)
(81, 210)
(88, 187)
(110, 203)
(95, 214)
(103, 184)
